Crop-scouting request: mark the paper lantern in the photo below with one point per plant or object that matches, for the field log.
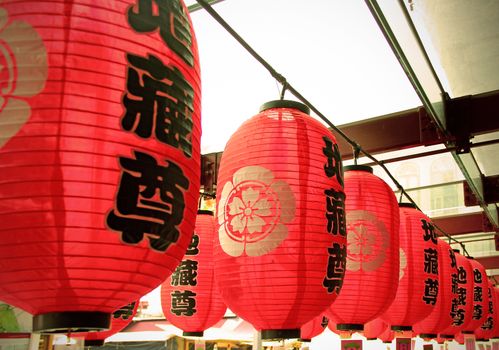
(313, 328)
(462, 309)
(372, 272)
(373, 329)
(120, 319)
(281, 245)
(189, 297)
(480, 297)
(418, 287)
(489, 328)
(387, 336)
(99, 155)
(440, 317)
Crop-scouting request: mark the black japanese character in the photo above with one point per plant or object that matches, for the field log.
(431, 261)
(429, 231)
(461, 296)
(477, 293)
(172, 21)
(183, 303)
(335, 268)
(458, 318)
(185, 274)
(477, 276)
(477, 311)
(452, 258)
(193, 247)
(150, 201)
(158, 99)
(335, 212)
(488, 324)
(124, 312)
(461, 275)
(333, 167)
(455, 283)
(430, 291)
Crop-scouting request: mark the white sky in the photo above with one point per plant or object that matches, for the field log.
(331, 51)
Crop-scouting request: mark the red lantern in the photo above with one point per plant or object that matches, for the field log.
(387, 336)
(489, 328)
(463, 282)
(373, 329)
(418, 281)
(313, 328)
(480, 297)
(281, 246)
(100, 162)
(120, 319)
(372, 272)
(189, 297)
(441, 316)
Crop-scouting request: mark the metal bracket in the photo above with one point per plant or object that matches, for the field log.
(458, 116)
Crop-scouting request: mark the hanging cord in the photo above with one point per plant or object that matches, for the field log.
(288, 87)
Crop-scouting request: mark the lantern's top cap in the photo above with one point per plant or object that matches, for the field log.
(470, 257)
(407, 205)
(205, 212)
(285, 104)
(456, 250)
(358, 168)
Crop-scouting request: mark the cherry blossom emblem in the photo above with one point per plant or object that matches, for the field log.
(252, 212)
(23, 73)
(367, 241)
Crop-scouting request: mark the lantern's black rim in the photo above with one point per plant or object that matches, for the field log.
(407, 205)
(456, 251)
(482, 339)
(95, 342)
(427, 336)
(401, 328)
(349, 327)
(471, 258)
(193, 334)
(71, 321)
(371, 338)
(205, 212)
(446, 336)
(285, 104)
(303, 340)
(269, 334)
(358, 167)
(467, 332)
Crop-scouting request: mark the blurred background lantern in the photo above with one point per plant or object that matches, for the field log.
(418, 287)
(120, 319)
(480, 298)
(462, 303)
(313, 328)
(100, 156)
(281, 245)
(373, 329)
(372, 272)
(189, 297)
(440, 317)
(388, 335)
(490, 327)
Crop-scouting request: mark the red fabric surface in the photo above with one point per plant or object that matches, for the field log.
(313, 327)
(273, 246)
(480, 296)
(490, 327)
(208, 307)
(67, 77)
(374, 329)
(372, 272)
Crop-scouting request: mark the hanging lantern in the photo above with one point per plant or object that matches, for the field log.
(418, 281)
(372, 272)
(480, 296)
(489, 328)
(462, 282)
(99, 156)
(373, 329)
(120, 319)
(387, 336)
(281, 245)
(313, 328)
(189, 297)
(440, 317)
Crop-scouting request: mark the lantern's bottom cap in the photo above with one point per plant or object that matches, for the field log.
(427, 335)
(268, 334)
(193, 334)
(303, 340)
(446, 336)
(401, 328)
(349, 327)
(95, 342)
(71, 321)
